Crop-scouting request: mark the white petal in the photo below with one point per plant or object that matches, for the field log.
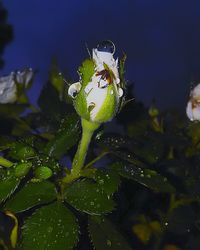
(8, 89)
(96, 98)
(193, 113)
(195, 93)
(189, 111)
(196, 113)
(29, 76)
(74, 89)
(105, 57)
(89, 87)
(25, 76)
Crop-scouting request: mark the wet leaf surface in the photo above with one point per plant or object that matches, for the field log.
(51, 227)
(66, 137)
(147, 177)
(108, 181)
(88, 197)
(104, 235)
(30, 195)
(8, 184)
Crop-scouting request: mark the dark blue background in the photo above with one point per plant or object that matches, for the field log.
(160, 38)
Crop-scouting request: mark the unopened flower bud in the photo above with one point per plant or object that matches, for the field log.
(97, 95)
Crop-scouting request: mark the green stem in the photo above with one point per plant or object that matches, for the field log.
(88, 129)
(96, 159)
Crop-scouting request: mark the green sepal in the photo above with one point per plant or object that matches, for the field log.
(109, 108)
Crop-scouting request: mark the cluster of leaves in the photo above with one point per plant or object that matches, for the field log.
(138, 190)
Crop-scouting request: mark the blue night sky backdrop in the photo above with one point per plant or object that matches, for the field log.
(161, 40)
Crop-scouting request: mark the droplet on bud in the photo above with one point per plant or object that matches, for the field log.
(106, 46)
(74, 89)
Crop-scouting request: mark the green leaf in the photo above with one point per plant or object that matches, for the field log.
(30, 195)
(50, 103)
(12, 110)
(129, 157)
(5, 143)
(5, 163)
(113, 141)
(182, 219)
(104, 235)
(192, 186)
(138, 128)
(43, 173)
(22, 169)
(8, 184)
(21, 151)
(56, 78)
(65, 138)
(108, 181)
(193, 131)
(45, 161)
(147, 177)
(88, 197)
(149, 148)
(51, 227)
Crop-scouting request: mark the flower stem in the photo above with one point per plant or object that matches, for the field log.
(96, 159)
(88, 129)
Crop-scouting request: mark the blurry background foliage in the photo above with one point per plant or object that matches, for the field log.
(139, 189)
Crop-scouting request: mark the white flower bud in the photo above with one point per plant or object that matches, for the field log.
(97, 95)
(8, 89)
(193, 105)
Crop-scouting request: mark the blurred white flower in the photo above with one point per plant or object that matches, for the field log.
(193, 105)
(103, 92)
(8, 89)
(24, 77)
